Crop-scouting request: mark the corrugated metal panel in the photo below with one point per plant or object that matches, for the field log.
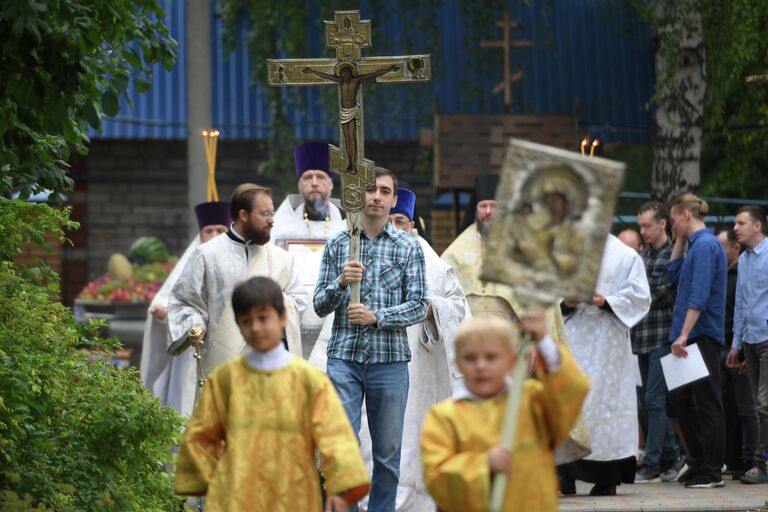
(161, 113)
(596, 60)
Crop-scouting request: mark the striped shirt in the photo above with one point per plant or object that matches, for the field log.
(394, 287)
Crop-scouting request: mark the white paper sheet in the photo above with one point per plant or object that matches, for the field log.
(679, 371)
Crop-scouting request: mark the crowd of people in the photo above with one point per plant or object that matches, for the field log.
(707, 290)
(254, 337)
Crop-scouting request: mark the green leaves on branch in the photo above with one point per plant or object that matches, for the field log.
(65, 65)
(76, 434)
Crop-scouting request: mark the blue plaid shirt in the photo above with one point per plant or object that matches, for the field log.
(394, 287)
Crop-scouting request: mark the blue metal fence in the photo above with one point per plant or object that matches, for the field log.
(598, 62)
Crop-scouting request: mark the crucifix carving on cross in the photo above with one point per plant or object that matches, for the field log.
(506, 44)
(348, 34)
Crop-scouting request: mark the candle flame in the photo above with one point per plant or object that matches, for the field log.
(596, 142)
(584, 142)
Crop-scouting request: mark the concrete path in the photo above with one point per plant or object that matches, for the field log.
(669, 497)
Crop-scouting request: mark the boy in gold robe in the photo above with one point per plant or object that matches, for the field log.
(250, 444)
(460, 440)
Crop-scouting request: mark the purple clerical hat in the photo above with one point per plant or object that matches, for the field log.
(311, 155)
(209, 214)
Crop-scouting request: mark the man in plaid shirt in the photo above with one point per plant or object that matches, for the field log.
(649, 342)
(368, 351)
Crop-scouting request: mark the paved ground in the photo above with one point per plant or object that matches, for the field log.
(669, 497)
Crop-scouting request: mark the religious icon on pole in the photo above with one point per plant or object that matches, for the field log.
(348, 34)
(554, 209)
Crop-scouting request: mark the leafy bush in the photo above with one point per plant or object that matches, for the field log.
(76, 434)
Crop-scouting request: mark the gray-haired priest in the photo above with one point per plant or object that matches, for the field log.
(303, 223)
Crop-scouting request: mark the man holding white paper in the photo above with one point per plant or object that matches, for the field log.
(750, 324)
(699, 317)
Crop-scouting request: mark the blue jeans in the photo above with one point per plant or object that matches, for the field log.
(660, 440)
(384, 386)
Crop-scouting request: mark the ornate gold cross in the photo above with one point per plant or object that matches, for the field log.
(348, 34)
(506, 44)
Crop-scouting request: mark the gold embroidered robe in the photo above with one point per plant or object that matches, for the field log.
(458, 434)
(250, 444)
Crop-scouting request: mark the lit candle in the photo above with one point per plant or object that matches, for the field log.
(595, 143)
(583, 146)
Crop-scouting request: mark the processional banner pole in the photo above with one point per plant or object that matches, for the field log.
(554, 209)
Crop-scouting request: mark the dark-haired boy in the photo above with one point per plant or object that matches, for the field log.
(250, 444)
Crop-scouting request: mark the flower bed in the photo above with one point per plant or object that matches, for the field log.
(142, 286)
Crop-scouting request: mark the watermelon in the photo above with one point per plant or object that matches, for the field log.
(148, 249)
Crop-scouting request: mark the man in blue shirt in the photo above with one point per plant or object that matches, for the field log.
(368, 351)
(750, 324)
(699, 317)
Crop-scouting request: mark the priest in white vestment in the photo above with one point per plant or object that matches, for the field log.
(201, 296)
(598, 335)
(304, 222)
(165, 376)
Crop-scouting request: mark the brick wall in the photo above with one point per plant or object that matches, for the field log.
(128, 188)
(471, 144)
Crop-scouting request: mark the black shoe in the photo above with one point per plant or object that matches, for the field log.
(603, 490)
(688, 473)
(703, 482)
(567, 484)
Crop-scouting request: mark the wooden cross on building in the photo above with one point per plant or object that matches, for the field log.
(506, 44)
(348, 34)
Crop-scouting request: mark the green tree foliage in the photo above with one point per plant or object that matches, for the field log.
(734, 146)
(64, 65)
(75, 434)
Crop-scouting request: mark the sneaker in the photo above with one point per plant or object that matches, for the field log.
(646, 474)
(756, 475)
(703, 482)
(686, 473)
(736, 474)
(672, 472)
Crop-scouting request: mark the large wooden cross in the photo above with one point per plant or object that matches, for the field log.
(506, 43)
(348, 34)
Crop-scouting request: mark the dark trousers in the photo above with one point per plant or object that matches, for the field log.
(660, 440)
(756, 356)
(700, 410)
(740, 417)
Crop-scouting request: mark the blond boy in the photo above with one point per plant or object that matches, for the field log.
(460, 440)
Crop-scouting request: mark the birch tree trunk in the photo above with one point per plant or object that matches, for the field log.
(681, 86)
